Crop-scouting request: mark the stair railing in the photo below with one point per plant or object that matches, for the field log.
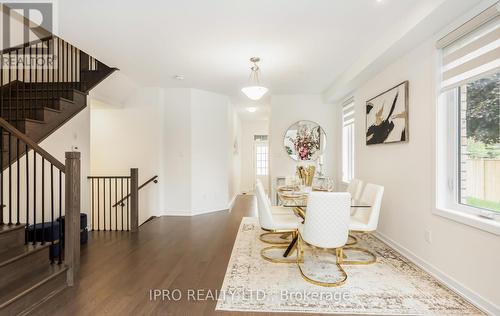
(35, 74)
(42, 193)
(106, 192)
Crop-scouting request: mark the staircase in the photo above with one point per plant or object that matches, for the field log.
(38, 257)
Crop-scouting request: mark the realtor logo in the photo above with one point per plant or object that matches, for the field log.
(25, 30)
(24, 22)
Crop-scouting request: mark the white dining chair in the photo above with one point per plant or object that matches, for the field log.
(326, 228)
(365, 219)
(355, 187)
(274, 208)
(274, 223)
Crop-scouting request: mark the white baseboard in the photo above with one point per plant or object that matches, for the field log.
(231, 203)
(176, 213)
(194, 213)
(189, 213)
(482, 303)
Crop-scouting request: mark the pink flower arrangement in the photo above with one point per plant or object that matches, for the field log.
(307, 142)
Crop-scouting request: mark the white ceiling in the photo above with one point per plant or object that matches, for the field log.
(304, 45)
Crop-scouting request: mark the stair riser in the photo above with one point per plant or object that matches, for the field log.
(11, 240)
(25, 304)
(9, 108)
(41, 114)
(20, 268)
(43, 93)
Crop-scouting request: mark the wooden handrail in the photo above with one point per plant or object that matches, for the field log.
(32, 145)
(108, 177)
(154, 178)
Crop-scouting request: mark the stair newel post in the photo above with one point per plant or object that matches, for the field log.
(72, 216)
(134, 199)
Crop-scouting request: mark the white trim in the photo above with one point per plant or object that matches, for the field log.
(485, 305)
(176, 213)
(195, 213)
(190, 213)
(489, 225)
(231, 203)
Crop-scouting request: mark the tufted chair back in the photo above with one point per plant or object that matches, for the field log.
(327, 219)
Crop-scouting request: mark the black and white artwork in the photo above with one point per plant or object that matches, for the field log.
(387, 116)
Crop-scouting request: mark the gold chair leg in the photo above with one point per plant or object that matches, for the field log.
(285, 235)
(353, 242)
(280, 259)
(317, 282)
(372, 260)
(284, 242)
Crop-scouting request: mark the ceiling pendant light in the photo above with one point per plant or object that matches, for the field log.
(254, 91)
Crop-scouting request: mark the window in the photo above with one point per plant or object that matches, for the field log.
(470, 117)
(261, 155)
(479, 143)
(348, 141)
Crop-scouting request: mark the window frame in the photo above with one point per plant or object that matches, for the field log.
(258, 141)
(351, 142)
(448, 191)
(446, 144)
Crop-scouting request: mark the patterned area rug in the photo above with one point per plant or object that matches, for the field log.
(391, 286)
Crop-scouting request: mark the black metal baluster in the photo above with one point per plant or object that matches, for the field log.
(10, 88)
(116, 206)
(98, 205)
(66, 59)
(24, 83)
(43, 200)
(52, 212)
(35, 86)
(10, 178)
(92, 202)
(110, 204)
(18, 188)
(104, 202)
(121, 198)
(59, 61)
(128, 203)
(27, 193)
(60, 216)
(30, 90)
(34, 196)
(73, 66)
(17, 87)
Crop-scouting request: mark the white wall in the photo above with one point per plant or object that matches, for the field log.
(467, 256)
(249, 128)
(235, 155)
(288, 109)
(176, 153)
(182, 135)
(210, 166)
(74, 135)
(128, 136)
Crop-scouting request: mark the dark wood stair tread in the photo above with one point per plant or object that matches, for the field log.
(26, 285)
(18, 253)
(26, 120)
(16, 100)
(29, 108)
(9, 228)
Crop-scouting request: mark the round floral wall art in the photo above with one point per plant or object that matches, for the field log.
(304, 141)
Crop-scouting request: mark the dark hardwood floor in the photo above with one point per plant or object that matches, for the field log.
(118, 269)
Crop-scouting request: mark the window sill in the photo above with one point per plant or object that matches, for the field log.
(489, 225)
